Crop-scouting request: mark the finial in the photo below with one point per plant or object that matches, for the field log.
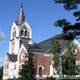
(21, 4)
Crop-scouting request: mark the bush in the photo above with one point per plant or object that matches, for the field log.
(50, 78)
(13, 79)
(10, 79)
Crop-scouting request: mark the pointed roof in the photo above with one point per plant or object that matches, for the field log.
(21, 17)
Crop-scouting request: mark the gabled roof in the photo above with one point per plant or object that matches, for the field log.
(38, 47)
(45, 45)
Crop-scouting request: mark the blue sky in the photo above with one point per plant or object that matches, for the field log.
(40, 14)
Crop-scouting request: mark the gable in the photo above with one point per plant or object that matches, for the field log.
(22, 53)
(22, 56)
(5, 66)
(6, 60)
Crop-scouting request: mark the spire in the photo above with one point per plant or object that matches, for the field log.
(21, 17)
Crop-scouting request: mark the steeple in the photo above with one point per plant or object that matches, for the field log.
(21, 16)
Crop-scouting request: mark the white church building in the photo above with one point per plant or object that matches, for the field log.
(20, 38)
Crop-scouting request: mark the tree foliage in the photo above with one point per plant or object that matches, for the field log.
(70, 31)
(69, 61)
(1, 72)
(61, 23)
(28, 69)
(77, 15)
(68, 4)
(55, 50)
(78, 68)
(11, 79)
(50, 78)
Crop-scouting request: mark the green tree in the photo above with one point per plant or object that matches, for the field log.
(69, 61)
(55, 50)
(1, 72)
(78, 69)
(70, 31)
(50, 78)
(10, 79)
(28, 69)
(68, 4)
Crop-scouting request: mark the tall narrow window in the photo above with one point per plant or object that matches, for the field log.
(14, 35)
(21, 32)
(40, 71)
(25, 32)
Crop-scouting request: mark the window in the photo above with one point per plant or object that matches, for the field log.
(40, 71)
(12, 46)
(22, 56)
(25, 32)
(21, 32)
(6, 66)
(14, 34)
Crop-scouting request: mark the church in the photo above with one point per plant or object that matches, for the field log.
(20, 38)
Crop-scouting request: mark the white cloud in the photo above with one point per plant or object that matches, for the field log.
(2, 36)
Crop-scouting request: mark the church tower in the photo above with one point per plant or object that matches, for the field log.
(21, 32)
(20, 40)
(21, 36)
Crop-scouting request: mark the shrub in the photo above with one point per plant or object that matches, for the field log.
(50, 78)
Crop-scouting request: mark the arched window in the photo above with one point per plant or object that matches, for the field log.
(22, 32)
(14, 34)
(26, 33)
(40, 71)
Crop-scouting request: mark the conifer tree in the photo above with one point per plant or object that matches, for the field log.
(69, 60)
(71, 31)
(28, 69)
(64, 63)
(1, 72)
(55, 50)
